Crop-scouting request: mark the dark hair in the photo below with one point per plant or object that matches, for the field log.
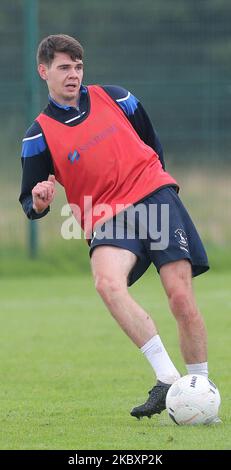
(58, 43)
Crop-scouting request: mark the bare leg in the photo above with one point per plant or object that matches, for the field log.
(110, 267)
(177, 281)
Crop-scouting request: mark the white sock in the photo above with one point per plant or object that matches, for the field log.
(160, 361)
(200, 369)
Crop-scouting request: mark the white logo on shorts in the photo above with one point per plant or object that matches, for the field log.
(181, 237)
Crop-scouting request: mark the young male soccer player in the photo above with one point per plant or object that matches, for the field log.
(98, 142)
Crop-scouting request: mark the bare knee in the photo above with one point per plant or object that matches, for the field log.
(109, 287)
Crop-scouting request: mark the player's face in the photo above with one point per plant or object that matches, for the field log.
(64, 77)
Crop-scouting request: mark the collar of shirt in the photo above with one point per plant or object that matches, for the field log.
(83, 91)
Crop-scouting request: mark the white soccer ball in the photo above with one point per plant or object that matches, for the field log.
(193, 399)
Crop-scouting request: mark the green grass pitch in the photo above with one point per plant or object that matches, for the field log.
(69, 375)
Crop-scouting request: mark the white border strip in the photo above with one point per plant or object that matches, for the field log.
(77, 117)
(123, 99)
(33, 137)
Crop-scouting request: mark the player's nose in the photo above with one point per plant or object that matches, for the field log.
(73, 72)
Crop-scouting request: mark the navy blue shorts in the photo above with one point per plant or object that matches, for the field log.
(157, 230)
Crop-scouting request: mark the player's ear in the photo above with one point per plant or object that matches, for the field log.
(42, 70)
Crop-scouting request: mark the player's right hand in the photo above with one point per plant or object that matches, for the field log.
(43, 194)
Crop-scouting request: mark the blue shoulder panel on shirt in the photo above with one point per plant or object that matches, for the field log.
(129, 103)
(123, 98)
(34, 142)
